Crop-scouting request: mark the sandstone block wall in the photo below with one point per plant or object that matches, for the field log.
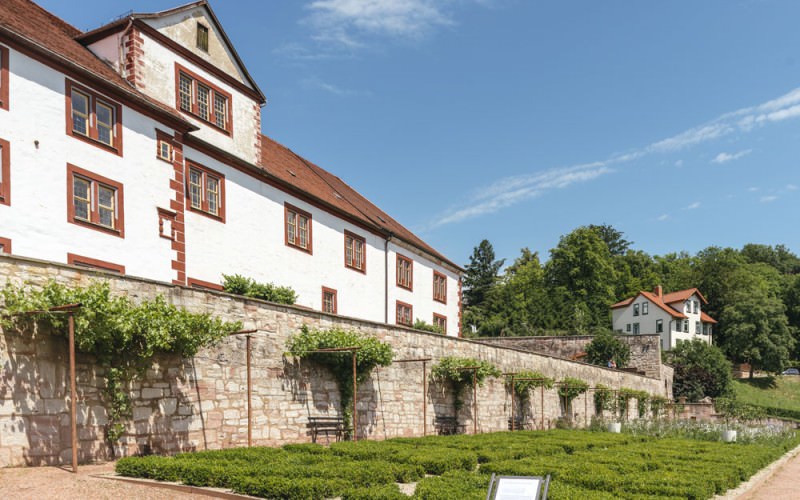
(645, 349)
(201, 403)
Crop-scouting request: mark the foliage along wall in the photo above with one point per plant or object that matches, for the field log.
(200, 403)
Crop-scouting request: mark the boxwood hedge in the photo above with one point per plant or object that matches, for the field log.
(581, 464)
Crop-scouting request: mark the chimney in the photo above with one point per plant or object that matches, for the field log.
(659, 292)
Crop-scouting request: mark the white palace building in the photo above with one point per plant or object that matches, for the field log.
(136, 148)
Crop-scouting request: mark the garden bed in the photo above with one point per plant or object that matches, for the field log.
(582, 464)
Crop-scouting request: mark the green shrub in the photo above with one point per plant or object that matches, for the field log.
(385, 492)
(241, 285)
(426, 327)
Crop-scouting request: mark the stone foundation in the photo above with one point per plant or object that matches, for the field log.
(201, 403)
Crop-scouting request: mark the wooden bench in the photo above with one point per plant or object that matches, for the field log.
(327, 426)
(446, 426)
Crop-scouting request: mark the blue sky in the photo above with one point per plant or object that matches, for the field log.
(516, 121)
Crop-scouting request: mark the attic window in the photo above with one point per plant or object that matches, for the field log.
(202, 37)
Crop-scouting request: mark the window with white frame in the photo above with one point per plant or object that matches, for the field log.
(205, 189)
(355, 248)
(298, 228)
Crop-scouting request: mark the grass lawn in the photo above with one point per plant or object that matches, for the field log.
(781, 392)
(583, 464)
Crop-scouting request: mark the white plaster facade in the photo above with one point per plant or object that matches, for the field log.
(676, 317)
(250, 239)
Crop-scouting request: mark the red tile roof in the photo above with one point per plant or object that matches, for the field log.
(289, 167)
(652, 298)
(669, 298)
(46, 33)
(682, 295)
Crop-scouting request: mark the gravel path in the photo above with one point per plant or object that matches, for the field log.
(781, 484)
(57, 483)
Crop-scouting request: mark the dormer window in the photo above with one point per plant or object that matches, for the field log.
(696, 306)
(200, 98)
(202, 37)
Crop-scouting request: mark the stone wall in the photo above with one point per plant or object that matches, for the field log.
(201, 403)
(645, 349)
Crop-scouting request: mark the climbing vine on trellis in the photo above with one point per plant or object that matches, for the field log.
(457, 371)
(122, 336)
(371, 353)
(526, 380)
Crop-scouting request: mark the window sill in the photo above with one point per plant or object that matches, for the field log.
(218, 218)
(362, 271)
(214, 126)
(404, 287)
(94, 142)
(440, 301)
(98, 227)
(298, 247)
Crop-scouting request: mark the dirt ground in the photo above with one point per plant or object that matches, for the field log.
(57, 483)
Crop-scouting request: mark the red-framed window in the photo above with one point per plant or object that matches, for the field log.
(81, 261)
(93, 118)
(298, 228)
(205, 191)
(5, 173)
(439, 287)
(4, 85)
(95, 201)
(200, 98)
(405, 314)
(405, 272)
(5, 245)
(330, 303)
(164, 147)
(355, 252)
(440, 322)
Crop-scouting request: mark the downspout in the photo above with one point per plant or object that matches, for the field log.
(389, 236)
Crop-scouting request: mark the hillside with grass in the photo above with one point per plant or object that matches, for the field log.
(780, 396)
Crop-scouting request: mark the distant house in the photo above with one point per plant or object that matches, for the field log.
(676, 316)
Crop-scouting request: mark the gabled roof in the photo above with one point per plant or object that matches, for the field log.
(52, 38)
(652, 298)
(292, 169)
(669, 298)
(118, 24)
(682, 295)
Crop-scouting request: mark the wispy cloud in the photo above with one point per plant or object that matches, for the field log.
(679, 163)
(768, 199)
(316, 83)
(726, 157)
(791, 187)
(506, 192)
(662, 217)
(345, 27)
(693, 206)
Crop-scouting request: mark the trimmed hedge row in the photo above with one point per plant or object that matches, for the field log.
(581, 464)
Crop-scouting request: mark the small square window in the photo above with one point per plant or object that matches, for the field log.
(202, 37)
(405, 314)
(329, 302)
(440, 322)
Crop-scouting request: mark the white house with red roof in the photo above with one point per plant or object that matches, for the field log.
(136, 148)
(677, 317)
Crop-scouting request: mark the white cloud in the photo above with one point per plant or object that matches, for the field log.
(726, 157)
(753, 189)
(513, 190)
(768, 199)
(679, 163)
(663, 217)
(791, 187)
(693, 206)
(316, 83)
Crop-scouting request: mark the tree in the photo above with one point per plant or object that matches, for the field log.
(480, 277)
(606, 346)
(581, 267)
(613, 239)
(757, 330)
(701, 370)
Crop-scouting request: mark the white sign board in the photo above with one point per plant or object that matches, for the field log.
(512, 488)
